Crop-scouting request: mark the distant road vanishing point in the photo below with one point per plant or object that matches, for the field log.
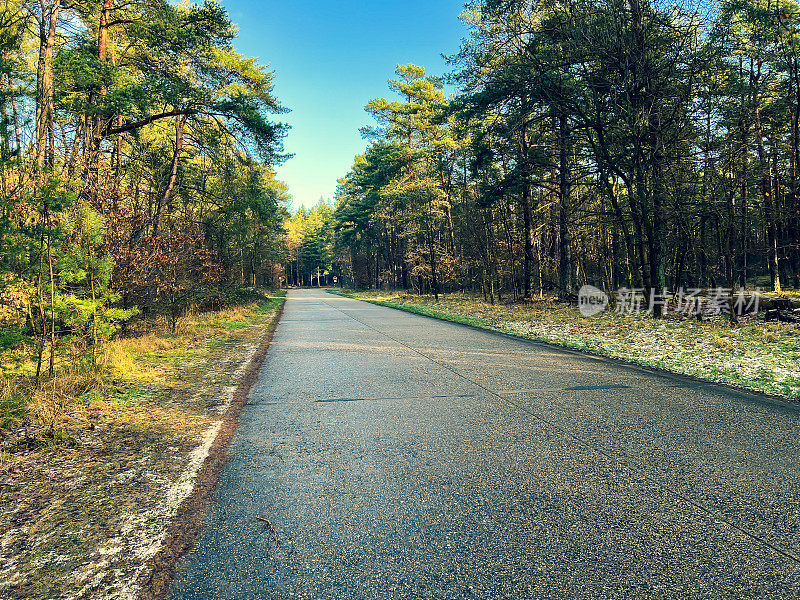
(389, 455)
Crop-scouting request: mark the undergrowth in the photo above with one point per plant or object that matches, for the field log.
(68, 400)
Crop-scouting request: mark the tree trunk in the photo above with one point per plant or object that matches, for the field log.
(17, 130)
(767, 193)
(6, 141)
(657, 254)
(526, 215)
(432, 253)
(173, 173)
(44, 86)
(743, 201)
(98, 123)
(565, 240)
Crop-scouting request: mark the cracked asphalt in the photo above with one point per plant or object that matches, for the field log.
(388, 455)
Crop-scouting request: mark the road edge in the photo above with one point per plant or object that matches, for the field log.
(185, 527)
(756, 394)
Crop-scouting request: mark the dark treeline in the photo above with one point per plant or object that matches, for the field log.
(612, 142)
(135, 166)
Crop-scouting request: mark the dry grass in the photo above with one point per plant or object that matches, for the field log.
(47, 405)
(85, 502)
(722, 343)
(60, 402)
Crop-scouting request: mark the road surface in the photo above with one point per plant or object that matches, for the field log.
(400, 457)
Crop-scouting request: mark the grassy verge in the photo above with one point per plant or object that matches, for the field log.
(83, 509)
(763, 357)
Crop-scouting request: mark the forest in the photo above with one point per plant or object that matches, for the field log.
(619, 143)
(136, 155)
(639, 147)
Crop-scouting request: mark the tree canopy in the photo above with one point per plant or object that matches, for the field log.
(136, 166)
(620, 143)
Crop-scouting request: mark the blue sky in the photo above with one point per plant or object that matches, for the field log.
(330, 58)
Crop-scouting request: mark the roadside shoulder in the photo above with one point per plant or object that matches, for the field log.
(108, 515)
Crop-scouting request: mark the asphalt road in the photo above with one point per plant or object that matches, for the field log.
(398, 457)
